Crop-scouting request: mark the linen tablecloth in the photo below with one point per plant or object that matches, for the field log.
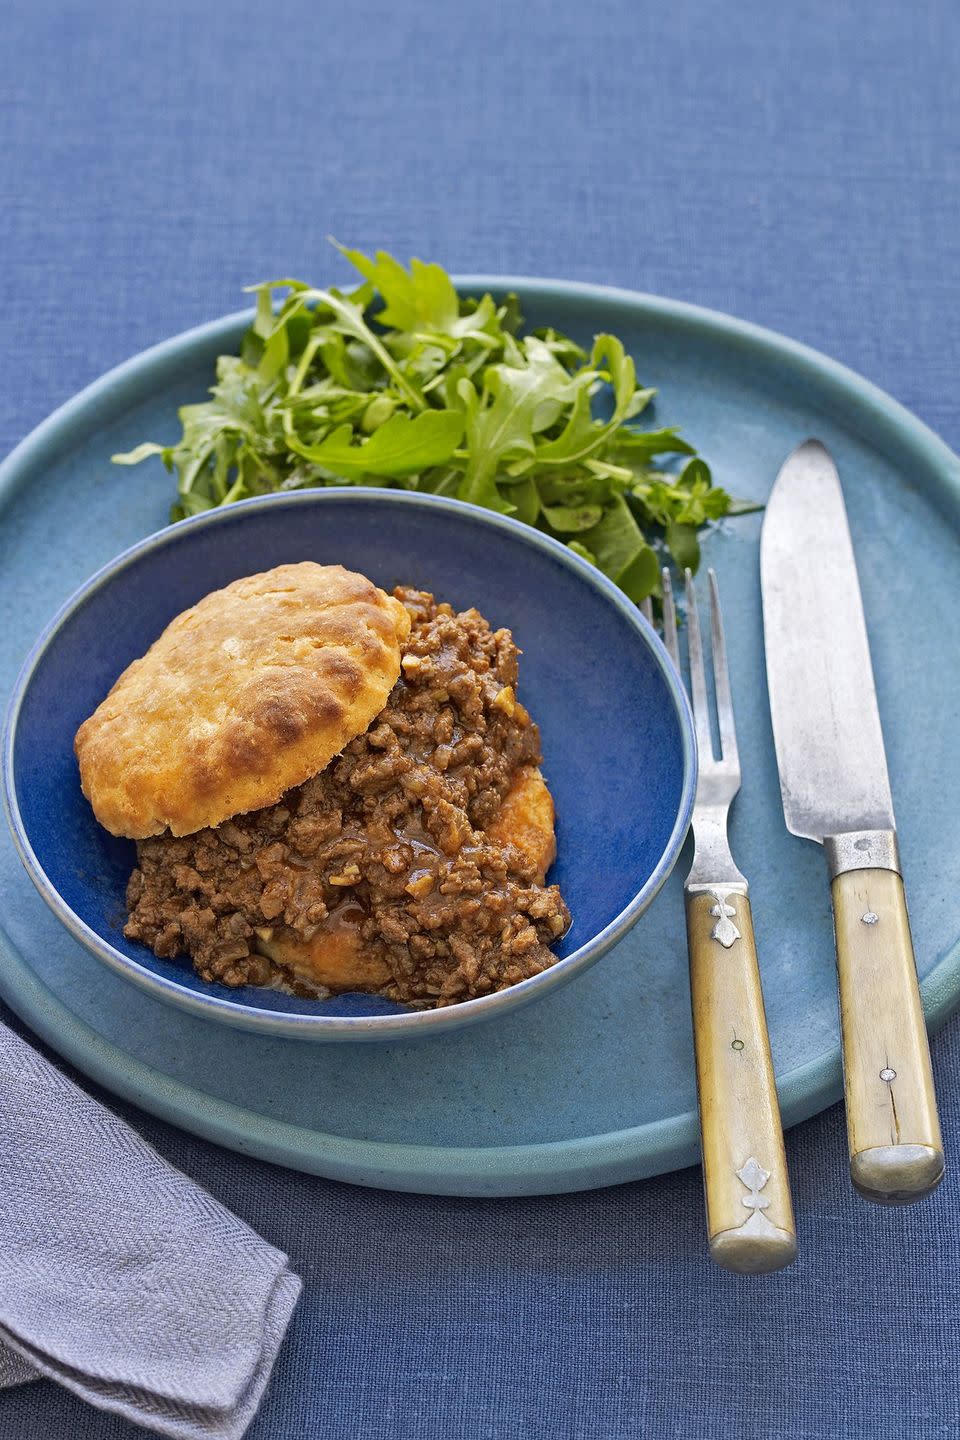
(796, 165)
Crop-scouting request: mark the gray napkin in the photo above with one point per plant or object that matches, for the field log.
(119, 1277)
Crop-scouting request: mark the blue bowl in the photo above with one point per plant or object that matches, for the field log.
(619, 752)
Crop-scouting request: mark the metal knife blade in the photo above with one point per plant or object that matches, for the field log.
(833, 778)
(826, 726)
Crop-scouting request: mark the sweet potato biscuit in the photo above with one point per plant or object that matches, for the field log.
(245, 695)
(526, 821)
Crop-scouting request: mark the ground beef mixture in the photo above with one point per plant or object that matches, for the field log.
(394, 825)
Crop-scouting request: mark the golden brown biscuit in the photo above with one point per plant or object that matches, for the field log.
(334, 957)
(526, 820)
(248, 693)
(330, 959)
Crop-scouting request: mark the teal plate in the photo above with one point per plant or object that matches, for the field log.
(593, 1084)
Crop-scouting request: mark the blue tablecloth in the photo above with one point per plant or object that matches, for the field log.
(794, 164)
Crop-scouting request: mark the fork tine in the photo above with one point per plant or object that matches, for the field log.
(721, 678)
(646, 610)
(698, 678)
(670, 619)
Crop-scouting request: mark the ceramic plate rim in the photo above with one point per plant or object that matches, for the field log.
(547, 1167)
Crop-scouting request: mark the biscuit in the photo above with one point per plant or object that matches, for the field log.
(245, 695)
(526, 821)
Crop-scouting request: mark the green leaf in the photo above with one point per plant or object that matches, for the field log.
(744, 507)
(400, 446)
(695, 475)
(378, 412)
(619, 475)
(421, 299)
(683, 545)
(509, 314)
(187, 505)
(568, 520)
(642, 576)
(617, 547)
(142, 452)
(263, 321)
(621, 550)
(646, 444)
(276, 353)
(582, 436)
(525, 499)
(500, 422)
(348, 318)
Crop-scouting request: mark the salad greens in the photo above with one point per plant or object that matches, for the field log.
(402, 382)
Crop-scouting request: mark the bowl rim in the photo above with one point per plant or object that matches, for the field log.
(409, 1024)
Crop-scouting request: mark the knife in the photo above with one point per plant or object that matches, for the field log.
(835, 788)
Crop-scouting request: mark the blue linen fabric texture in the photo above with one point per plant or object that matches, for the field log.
(794, 164)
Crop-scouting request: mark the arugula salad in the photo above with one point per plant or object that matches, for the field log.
(402, 382)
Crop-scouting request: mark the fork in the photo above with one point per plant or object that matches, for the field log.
(750, 1222)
